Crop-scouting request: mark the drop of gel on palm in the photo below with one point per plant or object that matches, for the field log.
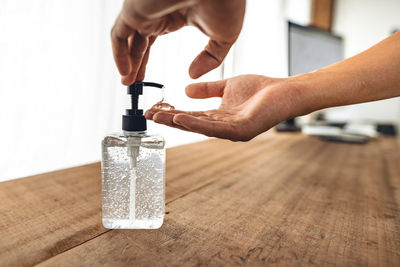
(162, 106)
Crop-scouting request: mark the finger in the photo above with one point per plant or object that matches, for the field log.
(167, 119)
(142, 69)
(210, 58)
(138, 50)
(150, 113)
(206, 89)
(152, 39)
(210, 128)
(120, 34)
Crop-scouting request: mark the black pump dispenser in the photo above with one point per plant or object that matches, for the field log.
(134, 121)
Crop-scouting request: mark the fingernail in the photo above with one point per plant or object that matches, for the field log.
(176, 120)
(124, 81)
(149, 114)
(157, 117)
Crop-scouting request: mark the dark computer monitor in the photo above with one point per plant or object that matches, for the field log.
(310, 49)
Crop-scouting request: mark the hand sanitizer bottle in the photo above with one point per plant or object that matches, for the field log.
(133, 167)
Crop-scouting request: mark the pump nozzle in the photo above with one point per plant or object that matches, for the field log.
(134, 119)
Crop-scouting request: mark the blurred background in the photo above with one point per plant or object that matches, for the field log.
(60, 92)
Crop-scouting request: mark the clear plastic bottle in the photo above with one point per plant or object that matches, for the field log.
(133, 168)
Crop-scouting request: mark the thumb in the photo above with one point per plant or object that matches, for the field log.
(210, 58)
(206, 89)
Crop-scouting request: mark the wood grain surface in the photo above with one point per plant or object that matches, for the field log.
(283, 199)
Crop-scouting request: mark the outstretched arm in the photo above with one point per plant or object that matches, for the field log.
(252, 104)
(371, 75)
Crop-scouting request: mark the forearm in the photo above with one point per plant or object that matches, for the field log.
(371, 75)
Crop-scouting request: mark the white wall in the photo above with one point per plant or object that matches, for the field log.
(299, 11)
(364, 23)
(261, 47)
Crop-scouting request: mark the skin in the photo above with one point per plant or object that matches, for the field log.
(249, 107)
(251, 104)
(141, 21)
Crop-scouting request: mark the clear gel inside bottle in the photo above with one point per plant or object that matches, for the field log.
(133, 181)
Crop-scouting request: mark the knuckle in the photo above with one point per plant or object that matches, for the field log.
(115, 34)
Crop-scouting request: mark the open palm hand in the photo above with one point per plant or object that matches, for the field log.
(251, 104)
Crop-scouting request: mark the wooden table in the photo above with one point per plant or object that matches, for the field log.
(284, 199)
